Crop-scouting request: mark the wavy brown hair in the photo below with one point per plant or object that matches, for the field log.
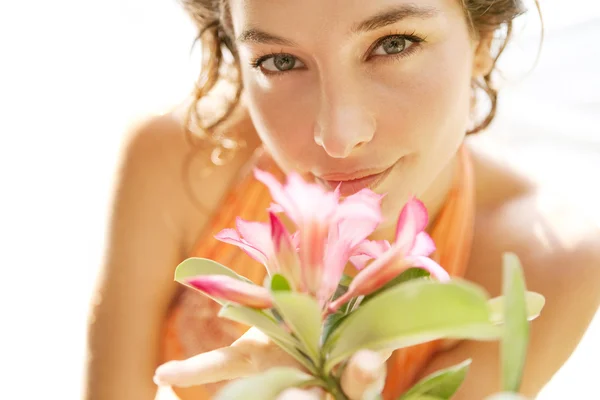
(220, 63)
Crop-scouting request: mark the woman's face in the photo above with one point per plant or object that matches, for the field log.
(341, 90)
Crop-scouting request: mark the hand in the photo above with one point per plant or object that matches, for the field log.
(254, 353)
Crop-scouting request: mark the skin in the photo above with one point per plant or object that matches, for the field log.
(349, 106)
(347, 109)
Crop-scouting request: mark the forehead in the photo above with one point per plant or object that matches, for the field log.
(318, 16)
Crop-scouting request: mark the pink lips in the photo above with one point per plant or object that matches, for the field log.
(351, 186)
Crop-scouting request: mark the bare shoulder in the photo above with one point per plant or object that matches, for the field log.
(554, 233)
(160, 164)
(558, 241)
(157, 212)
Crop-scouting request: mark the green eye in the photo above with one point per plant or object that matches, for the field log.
(280, 63)
(393, 44)
(284, 62)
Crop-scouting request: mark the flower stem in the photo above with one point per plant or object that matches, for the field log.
(334, 387)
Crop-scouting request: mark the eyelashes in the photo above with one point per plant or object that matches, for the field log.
(408, 43)
(395, 46)
(280, 61)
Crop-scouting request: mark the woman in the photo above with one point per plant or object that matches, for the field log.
(379, 93)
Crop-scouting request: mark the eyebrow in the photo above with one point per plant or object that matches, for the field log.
(392, 15)
(253, 35)
(384, 18)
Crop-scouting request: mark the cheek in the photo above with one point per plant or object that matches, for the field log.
(426, 103)
(449, 92)
(425, 107)
(284, 119)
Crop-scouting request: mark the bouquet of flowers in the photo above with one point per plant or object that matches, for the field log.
(321, 317)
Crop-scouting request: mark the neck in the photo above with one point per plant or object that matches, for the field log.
(436, 195)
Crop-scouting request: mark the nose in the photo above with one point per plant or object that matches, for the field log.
(343, 123)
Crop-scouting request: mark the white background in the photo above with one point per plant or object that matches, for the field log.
(75, 74)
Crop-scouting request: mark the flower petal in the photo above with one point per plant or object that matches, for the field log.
(234, 290)
(368, 250)
(372, 248)
(360, 261)
(231, 236)
(434, 269)
(275, 208)
(295, 237)
(366, 196)
(358, 216)
(337, 254)
(256, 234)
(312, 201)
(413, 219)
(313, 236)
(285, 253)
(356, 230)
(423, 245)
(364, 205)
(228, 234)
(374, 276)
(278, 193)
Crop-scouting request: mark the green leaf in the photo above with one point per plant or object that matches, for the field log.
(441, 384)
(352, 304)
(279, 283)
(414, 312)
(331, 323)
(346, 280)
(195, 266)
(268, 326)
(427, 397)
(534, 301)
(265, 386)
(259, 319)
(515, 338)
(408, 275)
(202, 266)
(339, 291)
(303, 316)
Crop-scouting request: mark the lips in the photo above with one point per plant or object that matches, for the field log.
(350, 184)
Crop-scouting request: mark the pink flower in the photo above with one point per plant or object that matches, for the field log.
(233, 290)
(411, 237)
(310, 208)
(330, 233)
(345, 237)
(328, 229)
(385, 268)
(286, 253)
(410, 249)
(254, 238)
(411, 240)
(368, 250)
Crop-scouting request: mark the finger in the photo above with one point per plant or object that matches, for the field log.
(301, 394)
(364, 376)
(213, 366)
(221, 364)
(250, 354)
(449, 344)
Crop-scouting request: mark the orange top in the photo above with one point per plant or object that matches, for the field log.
(192, 325)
